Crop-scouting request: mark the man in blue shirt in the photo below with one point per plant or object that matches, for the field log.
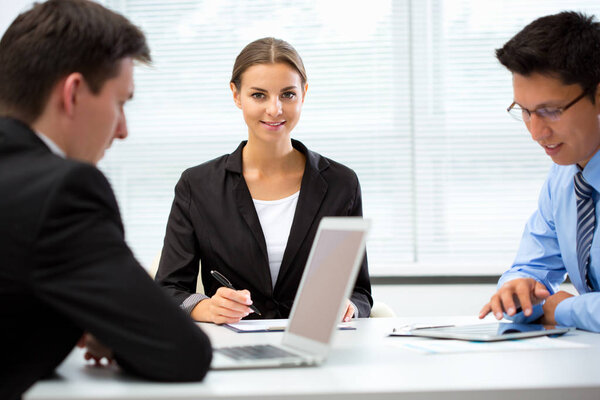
(555, 62)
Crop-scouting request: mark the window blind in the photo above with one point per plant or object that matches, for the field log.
(407, 93)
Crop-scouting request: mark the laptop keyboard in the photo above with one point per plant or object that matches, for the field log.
(257, 352)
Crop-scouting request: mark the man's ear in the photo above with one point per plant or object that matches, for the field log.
(71, 92)
(236, 95)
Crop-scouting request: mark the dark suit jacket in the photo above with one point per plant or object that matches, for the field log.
(213, 220)
(65, 269)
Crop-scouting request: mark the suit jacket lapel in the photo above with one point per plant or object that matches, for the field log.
(248, 212)
(244, 203)
(312, 192)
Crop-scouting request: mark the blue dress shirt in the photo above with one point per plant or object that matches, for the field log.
(548, 249)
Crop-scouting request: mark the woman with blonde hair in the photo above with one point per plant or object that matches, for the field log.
(252, 215)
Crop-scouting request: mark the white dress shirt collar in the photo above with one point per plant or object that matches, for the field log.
(51, 145)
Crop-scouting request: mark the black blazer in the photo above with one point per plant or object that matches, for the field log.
(213, 220)
(65, 269)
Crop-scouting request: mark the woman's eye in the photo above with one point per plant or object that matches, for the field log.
(259, 96)
(288, 95)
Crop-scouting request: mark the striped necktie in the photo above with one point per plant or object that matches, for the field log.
(586, 221)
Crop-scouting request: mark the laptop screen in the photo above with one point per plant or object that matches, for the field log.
(331, 262)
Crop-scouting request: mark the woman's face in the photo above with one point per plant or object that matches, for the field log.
(271, 98)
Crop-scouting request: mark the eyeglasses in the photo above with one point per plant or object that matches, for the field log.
(548, 113)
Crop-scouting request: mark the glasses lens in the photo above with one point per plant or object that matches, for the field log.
(518, 113)
(552, 114)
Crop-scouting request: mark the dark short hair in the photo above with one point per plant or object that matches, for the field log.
(564, 45)
(267, 51)
(56, 38)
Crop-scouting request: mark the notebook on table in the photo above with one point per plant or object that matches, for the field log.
(492, 332)
(329, 276)
(270, 325)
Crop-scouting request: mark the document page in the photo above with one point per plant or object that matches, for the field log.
(259, 325)
(270, 325)
(437, 346)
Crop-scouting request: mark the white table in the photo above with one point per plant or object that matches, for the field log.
(364, 364)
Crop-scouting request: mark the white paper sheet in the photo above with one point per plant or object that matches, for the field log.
(437, 346)
(269, 325)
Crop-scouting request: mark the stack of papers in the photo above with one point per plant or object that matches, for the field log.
(437, 346)
(268, 325)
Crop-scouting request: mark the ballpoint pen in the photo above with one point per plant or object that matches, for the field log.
(225, 282)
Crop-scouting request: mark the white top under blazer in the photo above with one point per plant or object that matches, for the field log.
(276, 217)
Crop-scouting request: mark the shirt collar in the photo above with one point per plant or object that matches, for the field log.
(591, 172)
(314, 161)
(51, 145)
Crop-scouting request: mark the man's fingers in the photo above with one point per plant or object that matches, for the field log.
(521, 292)
(485, 311)
(96, 349)
(97, 359)
(81, 341)
(524, 293)
(540, 291)
(496, 306)
(508, 302)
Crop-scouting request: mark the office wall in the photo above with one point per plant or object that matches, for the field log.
(404, 299)
(438, 299)
(9, 10)
(434, 299)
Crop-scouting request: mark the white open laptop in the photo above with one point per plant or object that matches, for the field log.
(329, 276)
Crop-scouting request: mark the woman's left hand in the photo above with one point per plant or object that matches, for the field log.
(349, 311)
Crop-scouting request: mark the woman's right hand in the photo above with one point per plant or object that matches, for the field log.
(227, 306)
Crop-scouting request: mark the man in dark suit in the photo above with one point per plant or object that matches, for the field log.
(66, 70)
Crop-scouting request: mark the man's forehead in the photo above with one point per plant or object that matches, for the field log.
(124, 78)
(540, 89)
